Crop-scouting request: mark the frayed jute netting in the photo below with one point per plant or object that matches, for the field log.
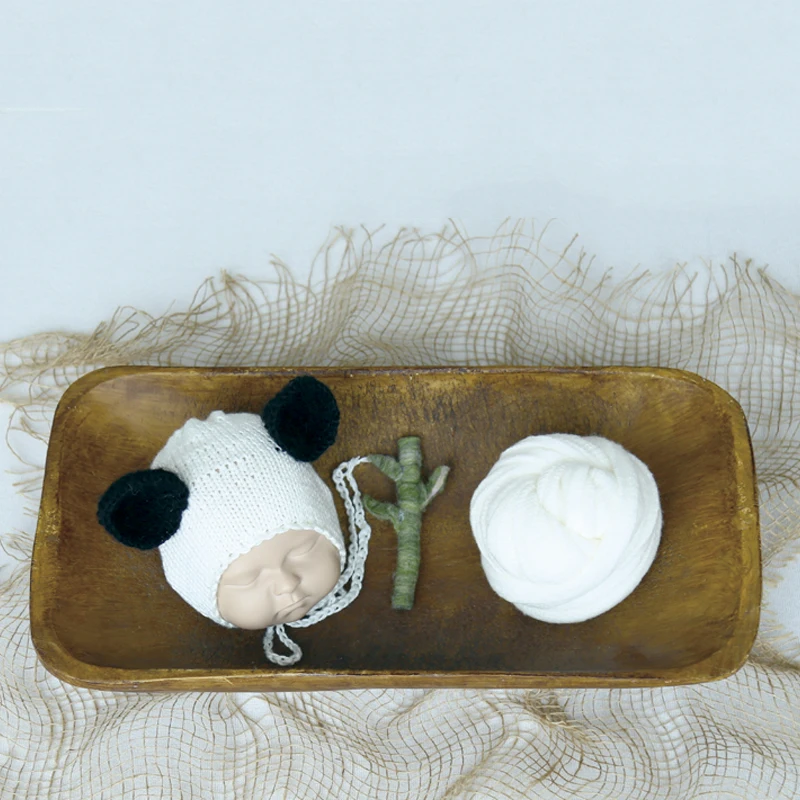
(432, 299)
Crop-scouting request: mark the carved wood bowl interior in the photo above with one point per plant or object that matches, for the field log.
(103, 616)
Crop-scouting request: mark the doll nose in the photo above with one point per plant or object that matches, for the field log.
(285, 583)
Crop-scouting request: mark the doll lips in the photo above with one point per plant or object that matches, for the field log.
(286, 610)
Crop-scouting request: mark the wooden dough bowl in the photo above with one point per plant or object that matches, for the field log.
(103, 616)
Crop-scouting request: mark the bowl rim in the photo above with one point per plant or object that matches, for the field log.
(64, 665)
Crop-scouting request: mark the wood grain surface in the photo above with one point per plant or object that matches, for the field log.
(102, 615)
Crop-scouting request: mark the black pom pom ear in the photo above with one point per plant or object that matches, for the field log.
(303, 418)
(143, 509)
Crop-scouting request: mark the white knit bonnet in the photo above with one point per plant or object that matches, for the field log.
(243, 490)
(221, 486)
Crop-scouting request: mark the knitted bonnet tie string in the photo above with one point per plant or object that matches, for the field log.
(350, 581)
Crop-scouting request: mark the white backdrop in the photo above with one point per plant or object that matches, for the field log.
(146, 145)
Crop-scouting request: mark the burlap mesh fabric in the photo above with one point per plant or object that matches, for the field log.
(439, 299)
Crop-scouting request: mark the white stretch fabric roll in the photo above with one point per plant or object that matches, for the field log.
(567, 525)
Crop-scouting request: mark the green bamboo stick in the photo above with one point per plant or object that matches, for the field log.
(413, 497)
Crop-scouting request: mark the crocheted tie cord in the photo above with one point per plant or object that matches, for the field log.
(350, 581)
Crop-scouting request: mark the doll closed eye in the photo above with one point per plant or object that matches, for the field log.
(243, 581)
(304, 550)
(248, 577)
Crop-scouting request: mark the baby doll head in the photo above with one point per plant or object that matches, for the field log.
(247, 531)
(279, 580)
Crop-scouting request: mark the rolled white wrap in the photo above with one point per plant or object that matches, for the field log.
(567, 525)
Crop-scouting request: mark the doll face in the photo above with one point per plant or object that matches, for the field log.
(278, 581)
